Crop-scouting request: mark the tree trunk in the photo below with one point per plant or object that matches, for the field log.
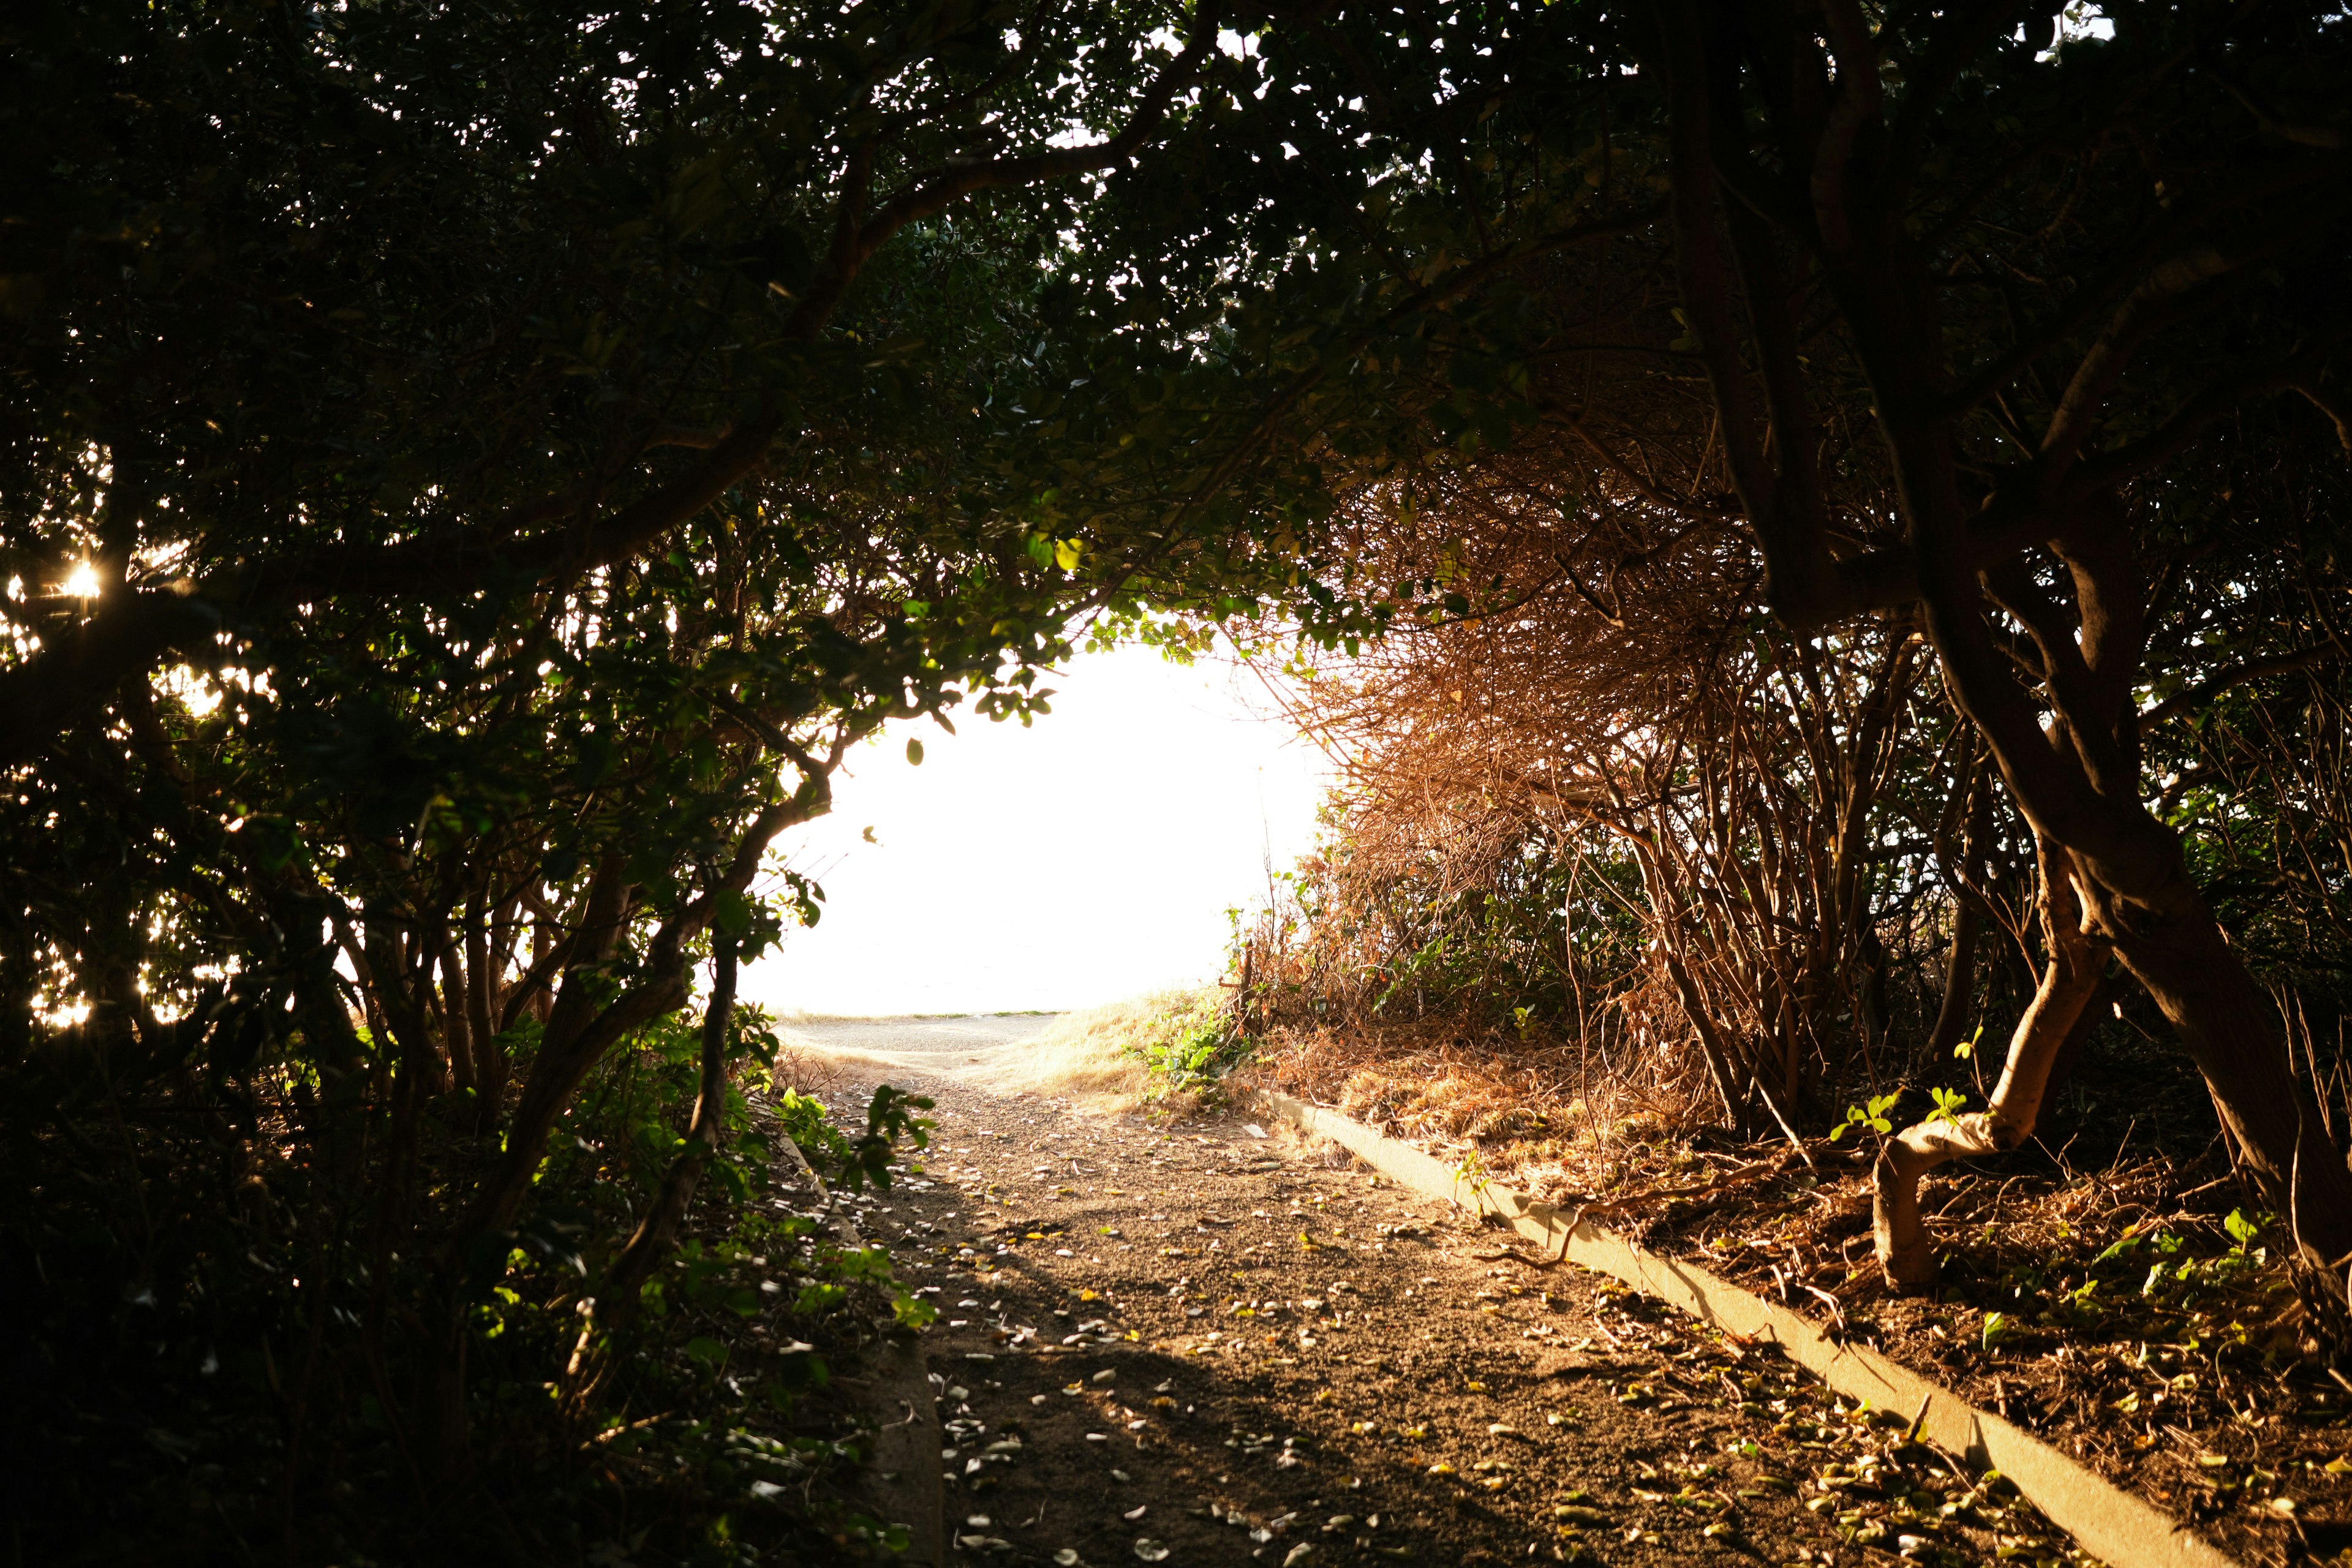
(456, 1025)
(1710, 1044)
(1959, 978)
(1970, 916)
(2046, 666)
(2076, 959)
(406, 1014)
(489, 1056)
(657, 1234)
(2173, 946)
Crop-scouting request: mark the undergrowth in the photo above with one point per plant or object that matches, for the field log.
(212, 1339)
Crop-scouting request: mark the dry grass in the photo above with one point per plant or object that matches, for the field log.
(1537, 1112)
(1098, 1059)
(805, 1071)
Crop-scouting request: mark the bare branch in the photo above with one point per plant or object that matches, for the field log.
(2185, 703)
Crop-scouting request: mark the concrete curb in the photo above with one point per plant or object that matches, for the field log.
(2110, 1523)
(901, 1483)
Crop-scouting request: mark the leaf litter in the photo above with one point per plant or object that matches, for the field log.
(2134, 1309)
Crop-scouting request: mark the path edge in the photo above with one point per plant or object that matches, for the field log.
(2114, 1526)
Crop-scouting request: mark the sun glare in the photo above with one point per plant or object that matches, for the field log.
(83, 582)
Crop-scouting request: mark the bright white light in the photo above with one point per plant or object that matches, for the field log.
(196, 693)
(82, 583)
(1087, 859)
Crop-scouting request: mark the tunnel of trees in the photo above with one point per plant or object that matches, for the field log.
(1817, 525)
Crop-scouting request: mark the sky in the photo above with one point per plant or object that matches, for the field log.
(1087, 859)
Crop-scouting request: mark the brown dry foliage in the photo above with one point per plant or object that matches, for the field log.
(1584, 777)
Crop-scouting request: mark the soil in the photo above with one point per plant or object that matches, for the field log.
(2200, 1395)
(1191, 1340)
(2093, 1290)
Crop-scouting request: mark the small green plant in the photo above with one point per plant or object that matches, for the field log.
(1996, 1328)
(1472, 1173)
(807, 1124)
(1191, 1047)
(887, 1121)
(1410, 970)
(1947, 1105)
(1872, 1116)
(2078, 1304)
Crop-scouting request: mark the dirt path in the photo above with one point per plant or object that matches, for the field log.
(1192, 1342)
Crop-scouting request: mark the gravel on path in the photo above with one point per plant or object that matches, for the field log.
(1198, 1341)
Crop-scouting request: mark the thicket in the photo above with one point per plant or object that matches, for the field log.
(467, 479)
(1842, 560)
(1692, 866)
(1838, 502)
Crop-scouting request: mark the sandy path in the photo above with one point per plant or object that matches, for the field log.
(1179, 1341)
(976, 1049)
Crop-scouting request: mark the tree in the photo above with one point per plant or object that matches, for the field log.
(1967, 289)
(470, 479)
(2030, 366)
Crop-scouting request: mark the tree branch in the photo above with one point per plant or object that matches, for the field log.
(858, 235)
(2129, 267)
(2184, 704)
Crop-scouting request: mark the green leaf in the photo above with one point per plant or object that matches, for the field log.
(2123, 1246)
(731, 913)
